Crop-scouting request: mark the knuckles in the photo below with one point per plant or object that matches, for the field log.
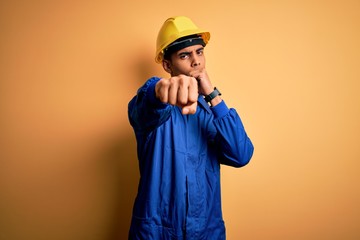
(164, 83)
(187, 83)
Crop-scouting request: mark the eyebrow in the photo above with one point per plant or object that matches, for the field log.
(188, 53)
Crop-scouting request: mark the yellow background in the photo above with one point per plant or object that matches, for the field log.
(68, 168)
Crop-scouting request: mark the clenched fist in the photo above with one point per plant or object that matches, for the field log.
(179, 90)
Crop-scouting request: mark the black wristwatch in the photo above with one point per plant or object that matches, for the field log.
(212, 95)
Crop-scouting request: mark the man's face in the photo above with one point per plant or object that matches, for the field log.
(186, 60)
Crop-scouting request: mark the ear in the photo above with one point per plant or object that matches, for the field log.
(167, 65)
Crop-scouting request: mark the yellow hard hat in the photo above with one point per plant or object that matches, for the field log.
(173, 29)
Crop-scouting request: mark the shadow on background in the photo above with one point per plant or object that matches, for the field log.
(122, 159)
(122, 155)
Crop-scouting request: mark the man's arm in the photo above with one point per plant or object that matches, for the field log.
(145, 111)
(234, 145)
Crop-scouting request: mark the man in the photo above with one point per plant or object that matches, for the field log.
(184, 131)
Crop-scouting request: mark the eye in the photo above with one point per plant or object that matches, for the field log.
(200, 52)
(183, 56)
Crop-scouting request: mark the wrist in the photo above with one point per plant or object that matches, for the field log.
(215, 101)
(213, 97)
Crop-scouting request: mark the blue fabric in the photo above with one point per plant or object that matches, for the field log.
(179, 161)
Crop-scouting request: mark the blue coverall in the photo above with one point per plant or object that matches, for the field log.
(179, 161)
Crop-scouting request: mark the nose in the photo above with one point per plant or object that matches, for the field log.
(195, 61)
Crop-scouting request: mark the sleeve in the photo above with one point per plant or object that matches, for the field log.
(235, 147)
(145, 111)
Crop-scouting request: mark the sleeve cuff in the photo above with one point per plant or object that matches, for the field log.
(220, 110)
(150, 92)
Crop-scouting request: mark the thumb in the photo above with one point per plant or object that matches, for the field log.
(189, 109)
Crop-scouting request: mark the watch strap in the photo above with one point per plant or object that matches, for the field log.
(212, 95)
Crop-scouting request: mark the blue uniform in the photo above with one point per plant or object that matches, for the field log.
(179, 160)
